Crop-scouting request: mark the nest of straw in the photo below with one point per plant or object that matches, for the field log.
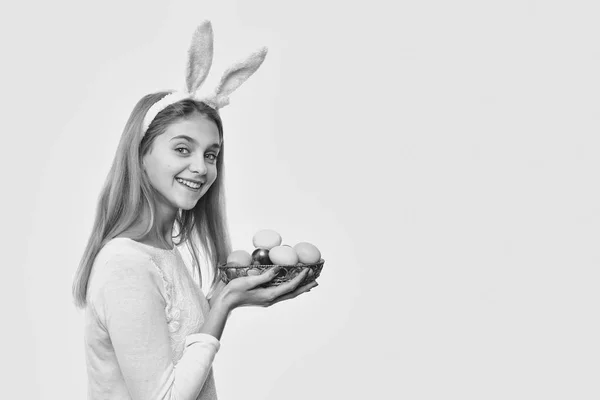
(287, 272)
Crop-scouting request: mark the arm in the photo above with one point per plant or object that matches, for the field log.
(242, 292)
(133, 312)
(245, 292)
(132, 309)
(215, 292)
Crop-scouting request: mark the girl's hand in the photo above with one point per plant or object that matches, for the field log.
(215, 293)
(245, 291)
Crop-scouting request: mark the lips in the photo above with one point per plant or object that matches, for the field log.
(193, 185)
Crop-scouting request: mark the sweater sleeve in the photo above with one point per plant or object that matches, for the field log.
(132, 307)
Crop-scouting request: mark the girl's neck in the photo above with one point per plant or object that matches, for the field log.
(164, 223)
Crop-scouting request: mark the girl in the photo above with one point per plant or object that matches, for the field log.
(150, 333)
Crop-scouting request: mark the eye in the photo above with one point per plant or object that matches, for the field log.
(182, 150)
(212, 156)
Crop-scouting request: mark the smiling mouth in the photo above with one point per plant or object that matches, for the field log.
(189, 184)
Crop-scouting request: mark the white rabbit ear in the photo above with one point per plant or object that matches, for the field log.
(200, 56)
(236, 75)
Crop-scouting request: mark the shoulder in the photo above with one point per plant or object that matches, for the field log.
(120, 254)
(123, 265)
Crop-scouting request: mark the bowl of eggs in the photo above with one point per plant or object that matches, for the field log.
(269, 252)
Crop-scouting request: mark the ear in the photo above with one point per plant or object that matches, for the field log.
(200, 56)
(238, 74)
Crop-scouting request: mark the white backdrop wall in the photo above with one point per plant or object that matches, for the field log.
(442, 155)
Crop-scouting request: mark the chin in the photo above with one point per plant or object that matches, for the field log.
(187, 205)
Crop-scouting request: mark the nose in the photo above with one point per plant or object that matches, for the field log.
(198, 165)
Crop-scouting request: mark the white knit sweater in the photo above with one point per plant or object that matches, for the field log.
(142, 319)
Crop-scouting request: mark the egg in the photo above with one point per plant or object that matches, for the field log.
(261, 257)
(240, 257)
(283, 255)
(232, 273)
(266, 239)
(307, 253)
(233, 264)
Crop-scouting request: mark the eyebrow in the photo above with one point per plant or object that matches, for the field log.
(192, 140)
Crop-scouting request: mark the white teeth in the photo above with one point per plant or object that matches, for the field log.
(193, 185)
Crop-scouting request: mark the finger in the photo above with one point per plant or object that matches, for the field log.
(290, 285)
(296, 293)
(218, 287)
(257, 280)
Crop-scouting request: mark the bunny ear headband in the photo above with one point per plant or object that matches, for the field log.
(199, 62)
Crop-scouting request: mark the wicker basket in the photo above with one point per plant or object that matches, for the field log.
(287, 272)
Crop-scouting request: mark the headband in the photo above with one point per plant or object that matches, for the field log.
(199, 62)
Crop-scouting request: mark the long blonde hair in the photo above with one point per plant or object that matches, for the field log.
(127, 192)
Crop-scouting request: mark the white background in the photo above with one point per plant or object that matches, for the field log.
(444, 156)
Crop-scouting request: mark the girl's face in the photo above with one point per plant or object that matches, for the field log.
(182, 162)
